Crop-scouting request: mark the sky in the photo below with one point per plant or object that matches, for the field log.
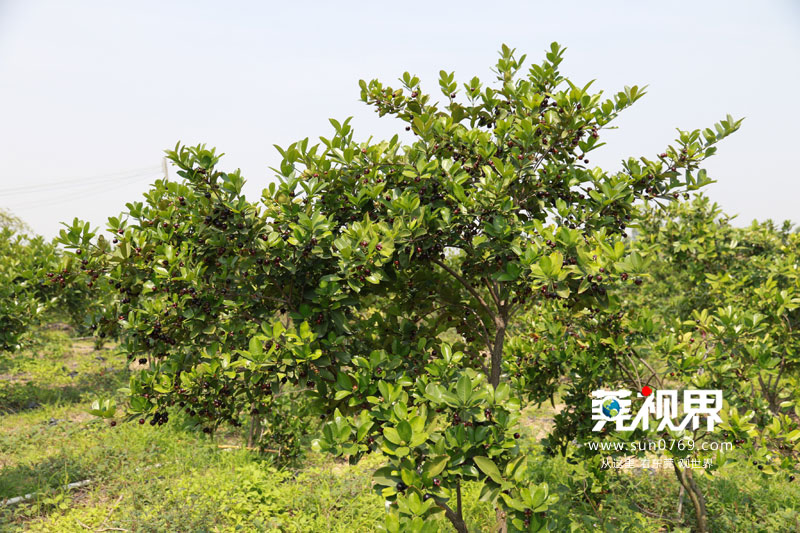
(93, 92)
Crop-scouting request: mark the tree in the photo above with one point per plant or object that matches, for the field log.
(34, 285)
(17, 307)
(24, 295)
(11, 221)
(740, 337)
(719, 312)
(382, 278)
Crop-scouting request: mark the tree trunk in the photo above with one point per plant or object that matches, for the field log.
(502, 521)
(456, 517)
(255, 430)
(497, 353)
(457, 521)
(698, 501)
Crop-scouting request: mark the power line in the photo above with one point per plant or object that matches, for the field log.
(88, 186)
(94, 191)
(80, 182)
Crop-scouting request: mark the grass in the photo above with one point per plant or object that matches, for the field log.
(172, 479)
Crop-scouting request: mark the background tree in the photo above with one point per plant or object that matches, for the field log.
(11, 221)
(717, 312)
(18, 306)
(32, 284)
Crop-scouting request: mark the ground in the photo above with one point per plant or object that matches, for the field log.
(173, 479)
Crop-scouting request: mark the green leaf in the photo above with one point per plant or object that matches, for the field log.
(404, 431)
(464, 389)
(502, 393)
(392, 436)
(539, 496)
(256, 348)
(435, 465)
(344, 382)
(488, 467)
(383, 476)
(341, 394)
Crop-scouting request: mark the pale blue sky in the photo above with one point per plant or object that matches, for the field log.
(95, 90)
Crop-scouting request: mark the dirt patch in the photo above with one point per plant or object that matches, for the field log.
(57, 326)
(340, 468)
(20, 378)
(80, 417)
(82, 347)
(540, 419)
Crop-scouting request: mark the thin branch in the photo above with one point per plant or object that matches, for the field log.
(656, 515)
(495, 296)
(589, 499)
(250, 448)
(622, 368)
(656, 375)
(486, 336)
(458, 500)
(635, 369)
(466, 285)
(102, 527)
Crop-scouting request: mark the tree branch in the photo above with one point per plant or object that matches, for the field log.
(492, 292)
(454, 518)
(466, 285)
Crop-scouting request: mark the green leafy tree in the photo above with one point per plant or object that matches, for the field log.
(492, 210)
(737, 315)
(203, 288)
(11, 221)
(31, 271)
(381, 280)
(18, 306)
(717, 310)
